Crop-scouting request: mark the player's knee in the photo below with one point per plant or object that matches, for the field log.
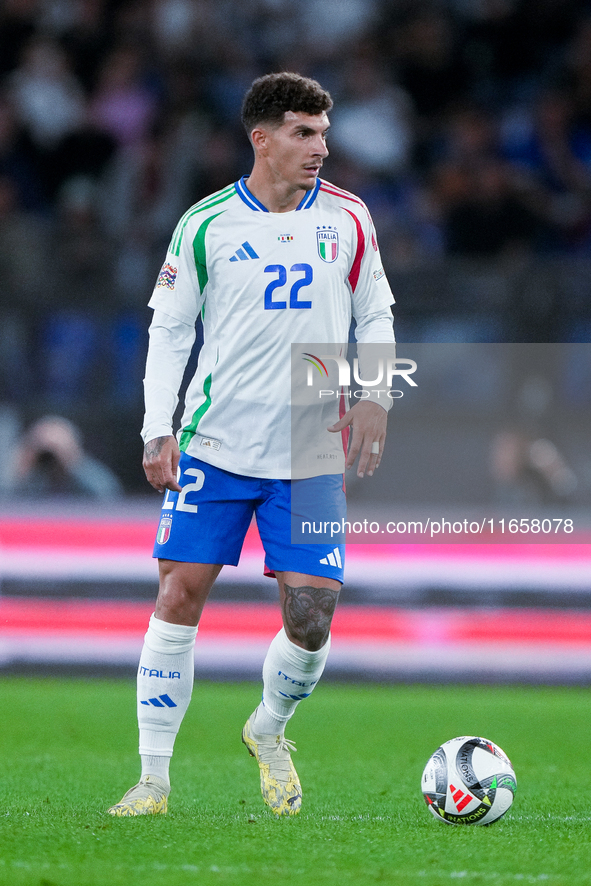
(184, 588)
(307, 614)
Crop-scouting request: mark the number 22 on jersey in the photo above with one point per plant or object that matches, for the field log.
(303, 274)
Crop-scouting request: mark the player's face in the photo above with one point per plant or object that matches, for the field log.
(296, 149)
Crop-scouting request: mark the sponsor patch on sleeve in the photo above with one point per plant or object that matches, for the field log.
(166, 277)
(377, 275)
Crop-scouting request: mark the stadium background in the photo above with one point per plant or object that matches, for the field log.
(466, 127)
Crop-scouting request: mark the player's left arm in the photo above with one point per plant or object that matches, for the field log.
(371, 300)
(367, 421)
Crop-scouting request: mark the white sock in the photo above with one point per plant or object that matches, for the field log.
(164, 687)
(289, 675)
(152, 765)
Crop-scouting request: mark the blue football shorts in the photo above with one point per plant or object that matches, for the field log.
(208, 521)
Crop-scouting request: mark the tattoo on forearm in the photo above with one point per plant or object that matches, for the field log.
(153, 448)
(308, 613)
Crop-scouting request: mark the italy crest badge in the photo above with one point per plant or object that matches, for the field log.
(328, 244)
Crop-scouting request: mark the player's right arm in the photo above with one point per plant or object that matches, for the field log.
(169, 349)
(177, 300)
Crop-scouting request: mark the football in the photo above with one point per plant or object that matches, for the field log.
(468, 780)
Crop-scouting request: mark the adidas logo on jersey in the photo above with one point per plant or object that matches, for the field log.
(244, 253)
(333, 559)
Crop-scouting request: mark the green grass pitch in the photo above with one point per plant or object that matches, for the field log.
(68, 751)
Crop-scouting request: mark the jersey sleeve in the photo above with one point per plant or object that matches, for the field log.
(178, 291)
(169, 349)
(372, 299)
(370, 290)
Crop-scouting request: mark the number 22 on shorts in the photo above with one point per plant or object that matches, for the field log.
(181, 504)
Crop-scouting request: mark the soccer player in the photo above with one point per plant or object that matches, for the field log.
(280, 256)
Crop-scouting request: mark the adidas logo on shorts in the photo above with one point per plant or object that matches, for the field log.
(333, 559)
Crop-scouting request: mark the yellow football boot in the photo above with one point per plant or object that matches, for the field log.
(149, 797)
(280, 785)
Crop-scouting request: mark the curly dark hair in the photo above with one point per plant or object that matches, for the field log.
(271, 96)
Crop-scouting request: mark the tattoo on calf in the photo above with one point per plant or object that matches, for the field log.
(308, 613)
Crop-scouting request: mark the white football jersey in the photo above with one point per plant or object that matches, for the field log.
(262, 281)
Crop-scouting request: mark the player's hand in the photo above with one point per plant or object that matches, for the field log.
(368, 422)
(161, 460)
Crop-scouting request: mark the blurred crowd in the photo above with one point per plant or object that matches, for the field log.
(464, 124)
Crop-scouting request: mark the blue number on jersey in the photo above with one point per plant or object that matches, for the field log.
(304, 281)
(281, 280)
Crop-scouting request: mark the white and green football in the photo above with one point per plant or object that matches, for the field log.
(468, 780)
